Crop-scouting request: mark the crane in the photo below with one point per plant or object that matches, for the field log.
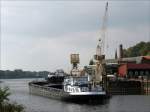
(103, 31)
(100, 57)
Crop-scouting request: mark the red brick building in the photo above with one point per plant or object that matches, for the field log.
(134, 67)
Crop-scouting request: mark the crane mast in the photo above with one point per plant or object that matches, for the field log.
(100, 73)
(103, 30)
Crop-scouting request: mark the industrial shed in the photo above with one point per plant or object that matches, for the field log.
(134, 70)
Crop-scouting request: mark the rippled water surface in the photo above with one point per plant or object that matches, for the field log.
(20, 94)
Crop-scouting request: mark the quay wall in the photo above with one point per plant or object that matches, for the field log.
(125, 88)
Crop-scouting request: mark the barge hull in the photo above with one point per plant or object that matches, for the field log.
(59, 94)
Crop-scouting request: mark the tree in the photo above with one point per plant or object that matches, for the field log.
(91, 62)
(5, 106)
(140, 49)
(148, 54)
(4, 93)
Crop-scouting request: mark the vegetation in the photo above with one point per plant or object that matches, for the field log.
(140, 49)
(91, 62)
(18, 73)
(4, 93)
(6, 106)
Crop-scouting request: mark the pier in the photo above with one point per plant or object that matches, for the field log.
(125, 87)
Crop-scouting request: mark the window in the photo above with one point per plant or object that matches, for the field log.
(147, 72)
(130, 73)
(141, 73)
(136, 73)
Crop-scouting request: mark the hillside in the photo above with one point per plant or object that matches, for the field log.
(140, 49)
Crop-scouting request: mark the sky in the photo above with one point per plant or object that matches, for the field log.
(41, 35)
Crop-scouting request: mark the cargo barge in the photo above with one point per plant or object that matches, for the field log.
(56, 91)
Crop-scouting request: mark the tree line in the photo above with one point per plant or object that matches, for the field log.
(19, 73)
(140, 49)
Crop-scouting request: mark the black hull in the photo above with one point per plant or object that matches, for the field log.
(88, 99)
(59, 94)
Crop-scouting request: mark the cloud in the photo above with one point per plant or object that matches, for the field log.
(42, 35)
(52, 19)
(44, 53)
(52, 53)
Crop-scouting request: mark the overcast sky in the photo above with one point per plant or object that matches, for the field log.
(38, 35)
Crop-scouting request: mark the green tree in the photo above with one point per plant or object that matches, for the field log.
(140, 49)
(91, 62)
(5, 106)
(4, 93)
(148, 54)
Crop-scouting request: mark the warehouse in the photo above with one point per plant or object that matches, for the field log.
(131, 66)
(133, 70)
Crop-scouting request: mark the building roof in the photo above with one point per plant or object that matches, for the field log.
(137, 59)
(138, 66)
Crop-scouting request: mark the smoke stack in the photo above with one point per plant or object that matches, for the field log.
(116, 56)
(121, 51)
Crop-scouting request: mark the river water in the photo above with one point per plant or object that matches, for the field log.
(33, 103)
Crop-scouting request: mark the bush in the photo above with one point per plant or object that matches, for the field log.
(6, 106)
(4, 93)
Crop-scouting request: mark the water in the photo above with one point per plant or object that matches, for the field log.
(33, 103)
